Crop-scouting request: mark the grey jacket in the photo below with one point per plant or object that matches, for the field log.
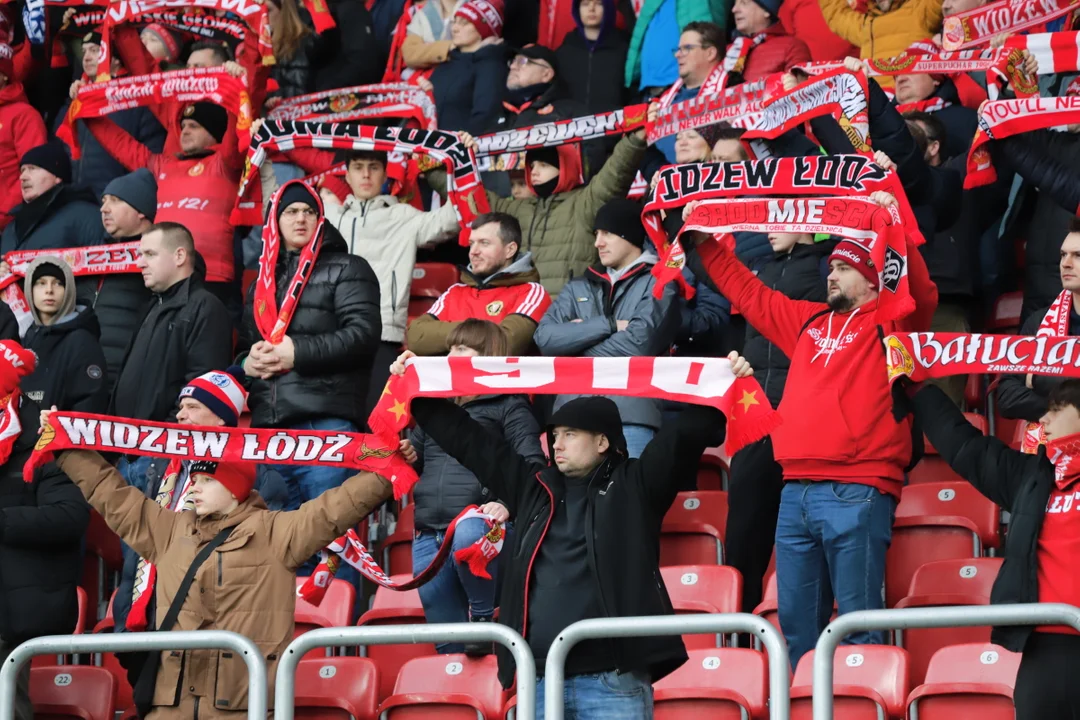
(592, 299)
(445, 487)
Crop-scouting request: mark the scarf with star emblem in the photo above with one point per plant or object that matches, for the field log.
(700, 381)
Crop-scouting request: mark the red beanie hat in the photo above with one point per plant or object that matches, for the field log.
(858, 257)
(485, 16)
(7, 62)
(15, 362)
(237, 477)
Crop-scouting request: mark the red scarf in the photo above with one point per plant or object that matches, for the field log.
(734, 61)
(928, 105)
(273, 322)
(86, 431)
(700, 381)
(395, 68)
(738, 106)
(190, 85)
(320, 15)
(361, 102)
(10, 427)
(1054, 324)
(465, 190)
(350, 549)
(1065, 454)
(142, 590)
(977, 26)
(1004, 118)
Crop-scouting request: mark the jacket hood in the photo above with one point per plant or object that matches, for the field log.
(518, 272)
(68, 305)
(570, 172)
(12, 93)
(608, 21)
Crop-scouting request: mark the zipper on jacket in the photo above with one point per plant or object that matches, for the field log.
(536, 551)
(195, 715)
(219, 573)
(393, 290)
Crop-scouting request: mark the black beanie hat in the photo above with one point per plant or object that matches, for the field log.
(51, 157)
(213, 118)
(592, 414)
(48, 269)
(137, 189)
(622, 217)
(296, 192)
(549, 155)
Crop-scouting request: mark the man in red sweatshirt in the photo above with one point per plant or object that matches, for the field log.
(195, 187)
(21, 128)
(842, 451)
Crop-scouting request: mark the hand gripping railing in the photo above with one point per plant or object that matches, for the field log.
(284, 690)
(138, 642)
(554, 678)
(935, 617)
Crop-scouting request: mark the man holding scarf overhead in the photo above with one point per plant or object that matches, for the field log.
(842, 450)
(311, 326)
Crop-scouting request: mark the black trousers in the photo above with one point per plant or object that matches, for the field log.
(753, 504)
(1046, 685)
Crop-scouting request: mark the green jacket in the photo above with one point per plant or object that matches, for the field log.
(686, 12)
(558, 230)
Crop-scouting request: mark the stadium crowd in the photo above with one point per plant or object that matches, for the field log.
(303, 322)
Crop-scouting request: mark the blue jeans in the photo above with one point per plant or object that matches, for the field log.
(637, 437)
(307, 482)
(604, 696)
(831, 539)
(455, 594)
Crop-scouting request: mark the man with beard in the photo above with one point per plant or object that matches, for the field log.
(841, 447)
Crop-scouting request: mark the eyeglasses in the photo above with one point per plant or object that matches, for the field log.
(521, 61)
(685, 49)
(305, 211)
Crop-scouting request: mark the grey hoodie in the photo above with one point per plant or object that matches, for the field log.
(67, 307)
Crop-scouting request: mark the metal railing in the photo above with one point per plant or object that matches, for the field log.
(285, 687)
(907, 618)
(138, 642)
(554, 678)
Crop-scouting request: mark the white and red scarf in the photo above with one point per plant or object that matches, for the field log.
(464, 188)
(734, 61)
(738, 106)
(84, 261)
(10, 427)
(142, 590)
(699, 381)
(977, 26)
(86, 431)
(360, 103)
(1065, 454)
(1004, 118)
(929, 105)
(272, 321)
(99, 99)
(349, 549)
(1054, 324)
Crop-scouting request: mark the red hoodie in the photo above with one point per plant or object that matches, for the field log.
(21, 128)
(837, 405)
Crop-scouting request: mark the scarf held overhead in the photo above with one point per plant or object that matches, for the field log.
(358, 102)
(700, 381)
(349, 549)
(464, 189)
(977, 26)
(99, 99)
(927, 355)
(738, 106)
(86, 431)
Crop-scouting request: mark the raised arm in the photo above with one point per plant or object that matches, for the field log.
(127, 151)
(673, 454)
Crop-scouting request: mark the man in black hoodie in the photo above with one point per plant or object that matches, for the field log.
(586, 538)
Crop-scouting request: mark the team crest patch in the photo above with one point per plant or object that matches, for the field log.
(494, 308)
(220, 380)
(196, 170)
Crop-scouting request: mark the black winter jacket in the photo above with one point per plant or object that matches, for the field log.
(42, 525)
(627, 503)
(119, 302)
(335, 331)
(1019, 483)
(184, 332)
(63, 217)
(468, 89)
(960, 122)
(799, 276)
(1015, 399)
(70, 372)
(9, 326)
(445, 487)
(348, 54)
(594, 78)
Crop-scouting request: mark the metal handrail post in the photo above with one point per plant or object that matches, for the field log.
(554, 670)
(928, 617)
(138, 642)
(285, 687)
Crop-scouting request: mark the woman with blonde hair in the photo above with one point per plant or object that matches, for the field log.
(446, 488)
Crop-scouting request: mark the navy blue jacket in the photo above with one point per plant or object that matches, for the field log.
(469, 89)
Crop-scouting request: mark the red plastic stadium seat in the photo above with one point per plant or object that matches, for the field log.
(716, 683)
(102, 558)
(1005, 317)
(869, 681)
(446, 687)
(397, 548)
(974, 392)
(967, 682)
(937, 521)
(391, 607)
(72, 691)
(693, 529)
(432, 279)
(419, 306)
(107, 623)
(336, 688)
(335, 610)
(713, 469)
(109, 662)
(703, 589)
(942, 583)
(932, 468)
